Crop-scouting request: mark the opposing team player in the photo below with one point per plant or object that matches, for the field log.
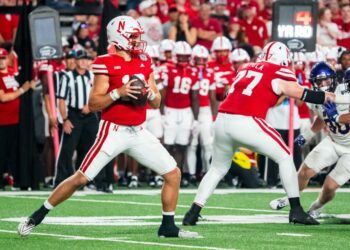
(240, 122)
(333, 149)
(207, 108)
(221, 66)
(120, 130)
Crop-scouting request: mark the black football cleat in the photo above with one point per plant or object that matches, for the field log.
(175, 232)
(190, 218)
(298, 216)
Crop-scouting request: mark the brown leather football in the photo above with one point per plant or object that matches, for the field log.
(142, 97)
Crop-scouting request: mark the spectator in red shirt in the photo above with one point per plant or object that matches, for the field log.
(207, 28)
(8, 27)
(10, 91)
(344, 25)
(254, 28)
(266, 12)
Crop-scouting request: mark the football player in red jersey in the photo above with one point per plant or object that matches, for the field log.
(240, 122)
(221, 66)
(207, 109)
(238, 57)
(120, 128)
(180, 104)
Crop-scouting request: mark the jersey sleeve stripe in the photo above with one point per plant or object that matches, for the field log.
(286, 75)
(95, 71)
(286, 70)
(102, 66)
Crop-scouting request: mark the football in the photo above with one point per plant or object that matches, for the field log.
(142, 97)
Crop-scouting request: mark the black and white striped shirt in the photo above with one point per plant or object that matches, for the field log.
(75, 88)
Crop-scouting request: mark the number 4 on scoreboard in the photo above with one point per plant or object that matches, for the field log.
(303, 17)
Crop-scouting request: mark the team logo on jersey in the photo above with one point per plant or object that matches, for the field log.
(143, 57)
(117, 67)
(142, 65)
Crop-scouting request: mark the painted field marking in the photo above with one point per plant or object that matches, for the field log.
(182, 191)
(151, 204)
(77, 237)
(293, 234)
(151, 220)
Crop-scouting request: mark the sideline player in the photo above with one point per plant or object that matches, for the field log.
(120, 128)
(240, 122)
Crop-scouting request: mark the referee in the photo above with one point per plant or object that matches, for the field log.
(80, 126)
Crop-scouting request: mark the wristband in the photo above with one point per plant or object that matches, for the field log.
(152, 96)
(316, 97)
(337, 119)
(114, 94)
(21, 90)
(65, 119)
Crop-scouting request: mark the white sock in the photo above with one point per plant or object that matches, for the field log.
(47, 205)
(191, 159)
(316, 205)
(208, 185)
(168, 213)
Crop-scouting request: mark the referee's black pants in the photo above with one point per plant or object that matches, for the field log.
(83, 135)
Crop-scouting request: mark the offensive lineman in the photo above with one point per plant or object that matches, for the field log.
(240, 122)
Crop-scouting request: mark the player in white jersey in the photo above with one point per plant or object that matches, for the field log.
(334, 148)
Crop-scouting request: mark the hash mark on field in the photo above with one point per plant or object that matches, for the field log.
(77, 237)
(153, 204)
(293, 234)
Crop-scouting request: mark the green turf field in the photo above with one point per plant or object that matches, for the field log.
(129, 220)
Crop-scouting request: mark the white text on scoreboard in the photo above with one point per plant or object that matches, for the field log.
(294, 31)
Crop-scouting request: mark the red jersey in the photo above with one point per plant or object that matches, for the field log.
(223, 75)
(179, 81)
(9, 23)
(345, 27)
(255, 31)
(213, 25)
(206, 83)
(252, 93)
(303, 109)
(119, 71)
(9, 111)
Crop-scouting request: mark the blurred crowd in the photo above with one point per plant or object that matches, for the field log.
(208, 40)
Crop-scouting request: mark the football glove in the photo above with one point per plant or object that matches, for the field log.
(331, 111)
(300, 140)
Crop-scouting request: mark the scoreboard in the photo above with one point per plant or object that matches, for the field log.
(294, 23)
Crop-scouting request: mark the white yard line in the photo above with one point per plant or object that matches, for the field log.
(151, 204)
(157, 191)
(154, 220)
(77, 237)
(293, 234)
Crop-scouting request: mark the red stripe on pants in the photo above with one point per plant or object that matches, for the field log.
(272, 133)
(96, 147)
